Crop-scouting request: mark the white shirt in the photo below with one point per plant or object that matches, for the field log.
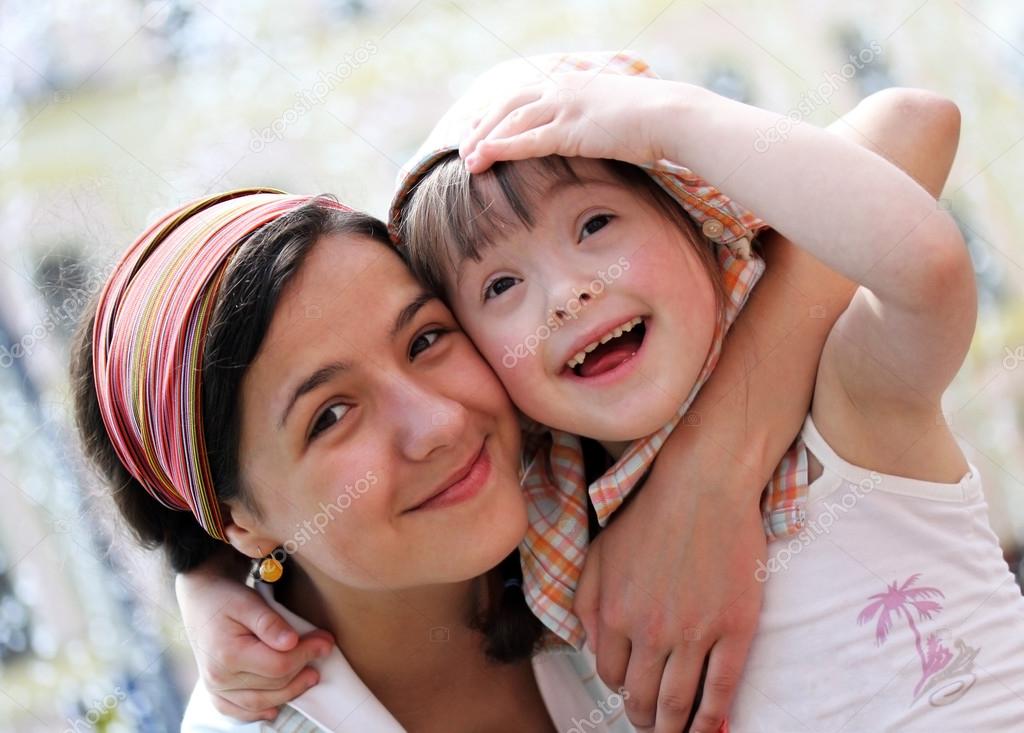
(576, 699)
(893, 610)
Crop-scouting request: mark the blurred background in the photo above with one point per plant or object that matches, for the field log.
(114, 110)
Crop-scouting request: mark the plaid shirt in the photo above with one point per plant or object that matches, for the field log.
(553, 479)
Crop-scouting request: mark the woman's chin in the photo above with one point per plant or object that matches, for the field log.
(468, 549)
(502, 533)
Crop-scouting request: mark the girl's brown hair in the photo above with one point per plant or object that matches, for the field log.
(451, 215)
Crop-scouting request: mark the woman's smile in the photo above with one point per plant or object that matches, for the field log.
(468, 481)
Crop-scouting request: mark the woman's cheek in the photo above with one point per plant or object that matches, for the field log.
(509, 356)
(360, 547)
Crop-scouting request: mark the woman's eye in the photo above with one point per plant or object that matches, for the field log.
(594, 224)
(498, 286)
(327, 418)
(424, 341)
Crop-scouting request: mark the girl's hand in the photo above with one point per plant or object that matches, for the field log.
(574, 114)
(250, 660)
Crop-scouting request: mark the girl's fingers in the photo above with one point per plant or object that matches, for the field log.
(679, 684)
(226, 707)
(643, 679)
(265, 624)
(720, 684)
(246, 681)
(536, 143)
(254, 665)
(261, 700)
(495, 114)
(528, 117)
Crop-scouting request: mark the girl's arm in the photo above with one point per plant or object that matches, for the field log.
(250, 660)
(675, 569)
(906, 332)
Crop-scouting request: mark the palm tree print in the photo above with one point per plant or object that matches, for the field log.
(905, 600)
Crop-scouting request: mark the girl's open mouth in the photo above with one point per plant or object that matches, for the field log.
(610, 352)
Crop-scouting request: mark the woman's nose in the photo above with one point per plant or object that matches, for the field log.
(428, 421)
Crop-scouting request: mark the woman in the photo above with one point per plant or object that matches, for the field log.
(404, 578)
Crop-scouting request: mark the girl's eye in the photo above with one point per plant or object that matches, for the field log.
(424, 341)
(327, 418)
(594, 224)
(498, 286)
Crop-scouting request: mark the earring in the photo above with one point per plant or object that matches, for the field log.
(269, 569)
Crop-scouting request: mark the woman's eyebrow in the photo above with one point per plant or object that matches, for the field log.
(409, 312)
(328, 371)
(314, 380)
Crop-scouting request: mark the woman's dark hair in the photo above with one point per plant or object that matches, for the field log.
(511, 629)
(264, 264)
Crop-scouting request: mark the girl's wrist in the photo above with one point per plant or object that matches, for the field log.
(677, 102)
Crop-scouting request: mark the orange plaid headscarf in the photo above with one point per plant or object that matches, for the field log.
(556, 541)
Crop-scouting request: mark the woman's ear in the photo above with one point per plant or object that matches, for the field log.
(246, 533)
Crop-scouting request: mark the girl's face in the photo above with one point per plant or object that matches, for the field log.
(597, 319)
(379, 445)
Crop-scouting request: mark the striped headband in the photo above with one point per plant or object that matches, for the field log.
(149, 335)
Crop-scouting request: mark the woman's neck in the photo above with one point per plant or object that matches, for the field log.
(415, 649)
(377, 628)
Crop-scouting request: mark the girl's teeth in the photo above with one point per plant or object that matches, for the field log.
(615, 333)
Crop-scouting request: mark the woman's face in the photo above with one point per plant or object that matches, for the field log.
(380, 448)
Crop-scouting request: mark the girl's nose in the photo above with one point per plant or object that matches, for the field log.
(567, 302)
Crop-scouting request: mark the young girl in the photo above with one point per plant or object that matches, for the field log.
(576, 303)
(905, 615)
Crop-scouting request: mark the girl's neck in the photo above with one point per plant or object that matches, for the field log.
(615, 449)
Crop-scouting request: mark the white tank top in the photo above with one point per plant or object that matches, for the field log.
(892, 610)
